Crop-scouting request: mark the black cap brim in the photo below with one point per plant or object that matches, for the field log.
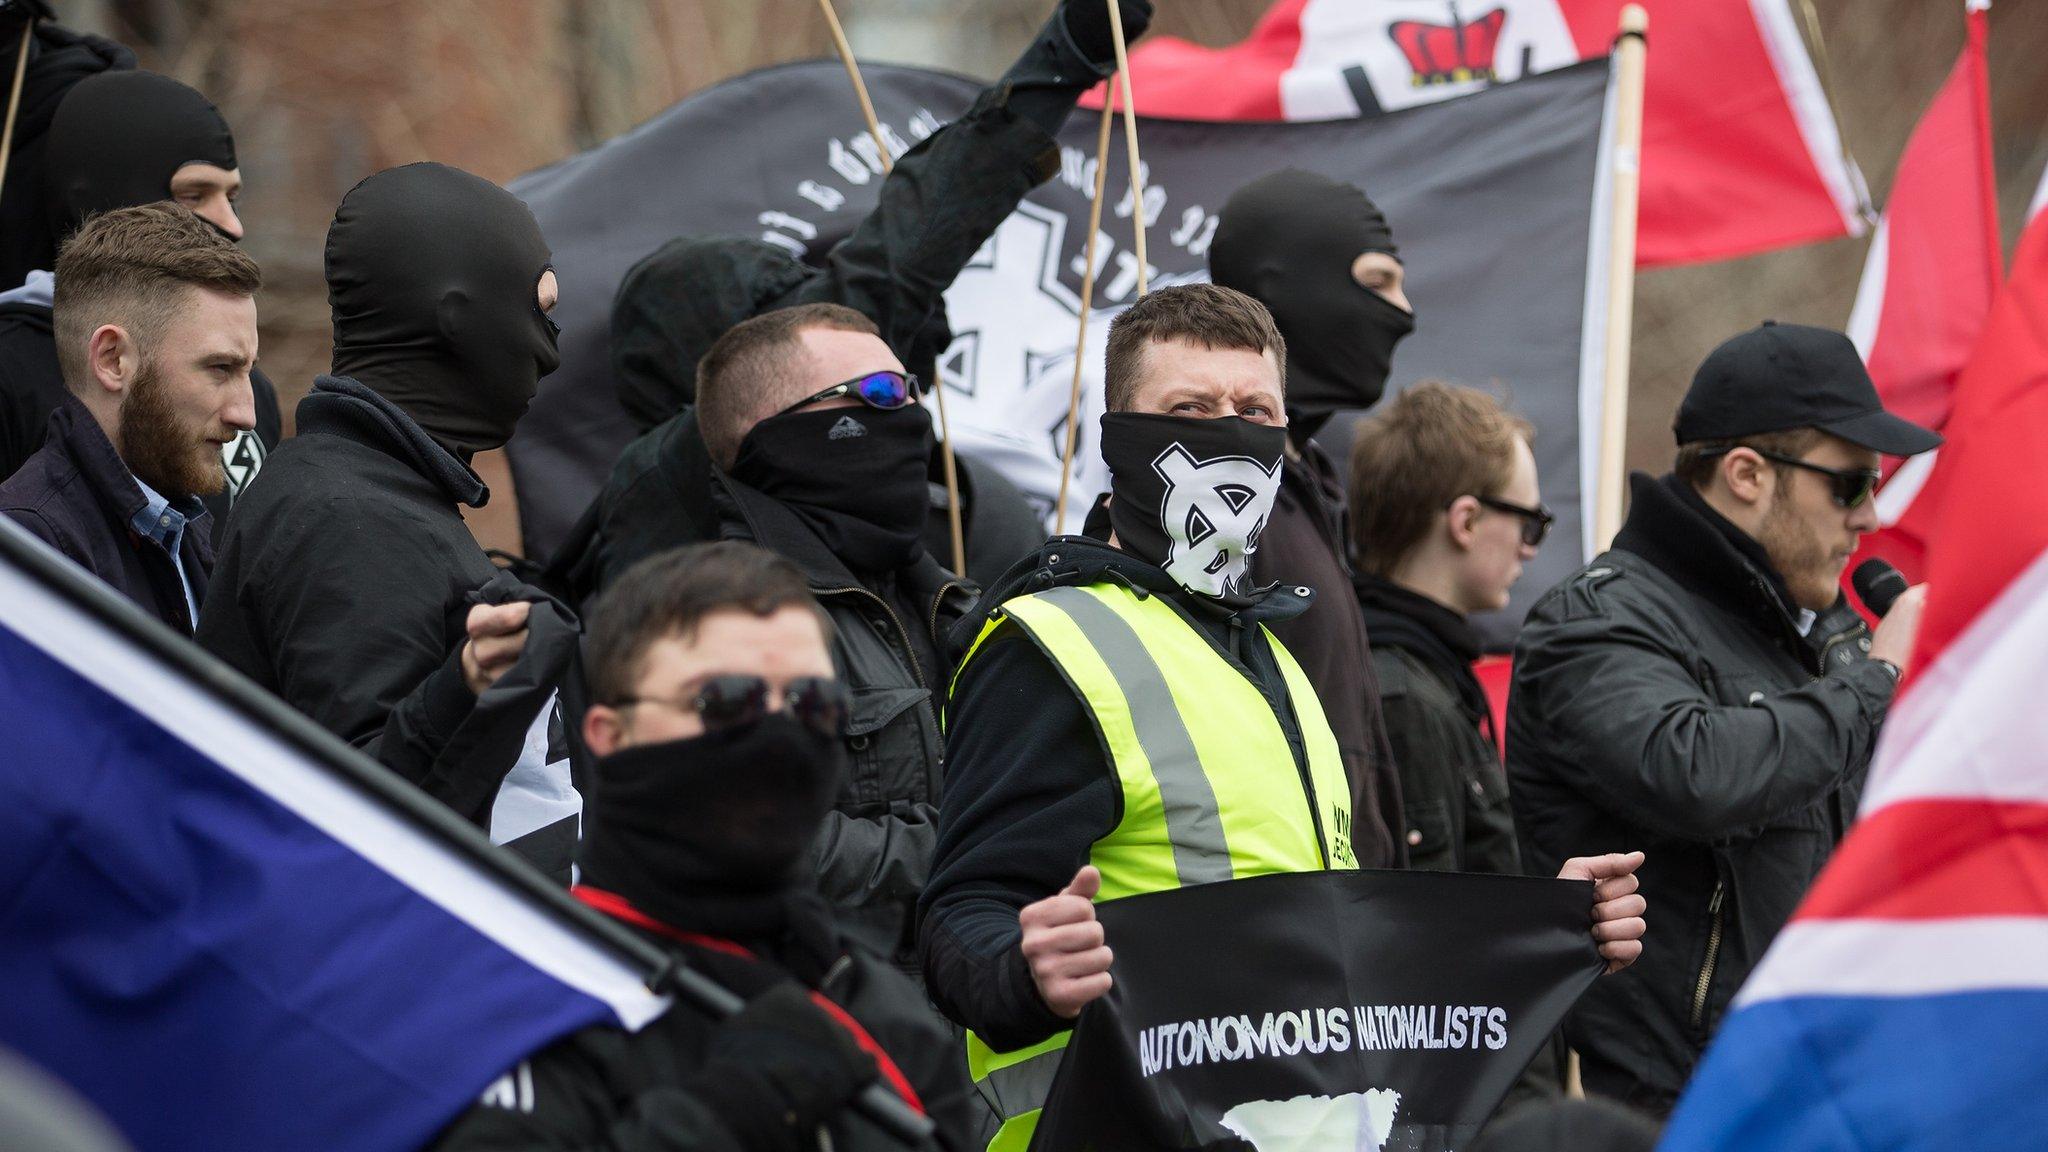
(1883, 432)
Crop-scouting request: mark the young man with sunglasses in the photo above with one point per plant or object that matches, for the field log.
(1444, 512)
(1704, 691)
(817, 452)
(717, 720)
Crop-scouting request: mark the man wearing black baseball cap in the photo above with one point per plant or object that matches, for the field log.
(1703, 691)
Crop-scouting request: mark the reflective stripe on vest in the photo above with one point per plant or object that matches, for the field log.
(1202, 762)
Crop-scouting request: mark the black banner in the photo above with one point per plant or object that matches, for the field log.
(1492, 197)
(1320, 1010)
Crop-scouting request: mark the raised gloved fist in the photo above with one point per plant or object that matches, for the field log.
(1087, 23)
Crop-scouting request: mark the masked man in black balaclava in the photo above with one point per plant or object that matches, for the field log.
(815, 449)
(348, 583)
(942, 201)
(1321, 258)
(1125, 706)
(120, 139)
(717, 718)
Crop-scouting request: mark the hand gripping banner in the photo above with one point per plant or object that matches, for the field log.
(1319, 1010)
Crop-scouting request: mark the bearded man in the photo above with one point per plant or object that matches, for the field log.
(1703, 691)
(155, 324)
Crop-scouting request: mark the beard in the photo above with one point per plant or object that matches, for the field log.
(1804, 562)
(165, 452)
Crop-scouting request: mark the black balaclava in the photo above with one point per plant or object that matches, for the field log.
(719, 819)
(1192, 495)
(119, 137)
(1289, 240)
(857, 476)
(431, 273)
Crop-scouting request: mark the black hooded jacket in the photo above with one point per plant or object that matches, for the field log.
(343, 583)
(1665, 700)
(1030, 789)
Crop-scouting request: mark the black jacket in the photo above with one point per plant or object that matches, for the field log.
(1030, 788)
(32, 387)
(605, 1088)
(1304, 543)
(875, 851)
(1664, 700)
(76, 494)
(345, 578)
(1454, 793)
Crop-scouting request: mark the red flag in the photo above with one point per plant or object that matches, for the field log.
(1984, 512)
(1928, 282)
(1740, 152)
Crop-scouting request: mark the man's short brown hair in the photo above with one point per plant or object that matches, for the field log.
(1698, 460)
(670, 593)
(745, 375)
(1206, 314)
(1422, 450)
(131, 267)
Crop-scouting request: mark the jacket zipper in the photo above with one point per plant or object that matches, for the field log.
(1699, 991)
(938, 602)
(901, 631)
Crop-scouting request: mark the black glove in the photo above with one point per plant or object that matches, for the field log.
(1087, 24)
(23, 11)
(779, 1068)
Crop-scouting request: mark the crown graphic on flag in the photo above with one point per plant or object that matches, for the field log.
(1450, 53)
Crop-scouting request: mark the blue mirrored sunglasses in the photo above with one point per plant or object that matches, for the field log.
(885, 390)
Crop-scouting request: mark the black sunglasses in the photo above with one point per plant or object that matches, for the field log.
(1536, 521)
(736, 701)
(885, 390)
(1850, 487)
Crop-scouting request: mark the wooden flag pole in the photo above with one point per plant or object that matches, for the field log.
(1631, 58)
(1123, 77)
(28, 33)
(1059, 522)
(952, 466)
(860, 87)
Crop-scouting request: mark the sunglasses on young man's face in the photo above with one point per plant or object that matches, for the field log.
(1849, 487)
(1536, 521)
(885, 390)
(725, 702)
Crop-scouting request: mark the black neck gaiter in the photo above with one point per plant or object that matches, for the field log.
(1192, 495)
(1289, 240)
(432, 275)
(857, 476)
(119, 137)
(708, 834)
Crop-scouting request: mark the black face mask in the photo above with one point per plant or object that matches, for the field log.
(1192, 495)
(1289, 240)
(857, 476)
(119, 137)
(728, 813)
(431, 273)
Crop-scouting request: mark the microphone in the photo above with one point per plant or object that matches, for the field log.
(1878, 585)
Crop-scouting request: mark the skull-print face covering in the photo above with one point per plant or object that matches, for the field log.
(1192, 495)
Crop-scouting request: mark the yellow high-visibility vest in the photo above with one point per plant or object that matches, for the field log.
(1210, 786)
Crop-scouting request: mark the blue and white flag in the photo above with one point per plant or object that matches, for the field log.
(222, 938)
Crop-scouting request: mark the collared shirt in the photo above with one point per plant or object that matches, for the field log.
(164, 525)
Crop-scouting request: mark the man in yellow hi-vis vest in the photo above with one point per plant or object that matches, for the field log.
(1123, 722)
